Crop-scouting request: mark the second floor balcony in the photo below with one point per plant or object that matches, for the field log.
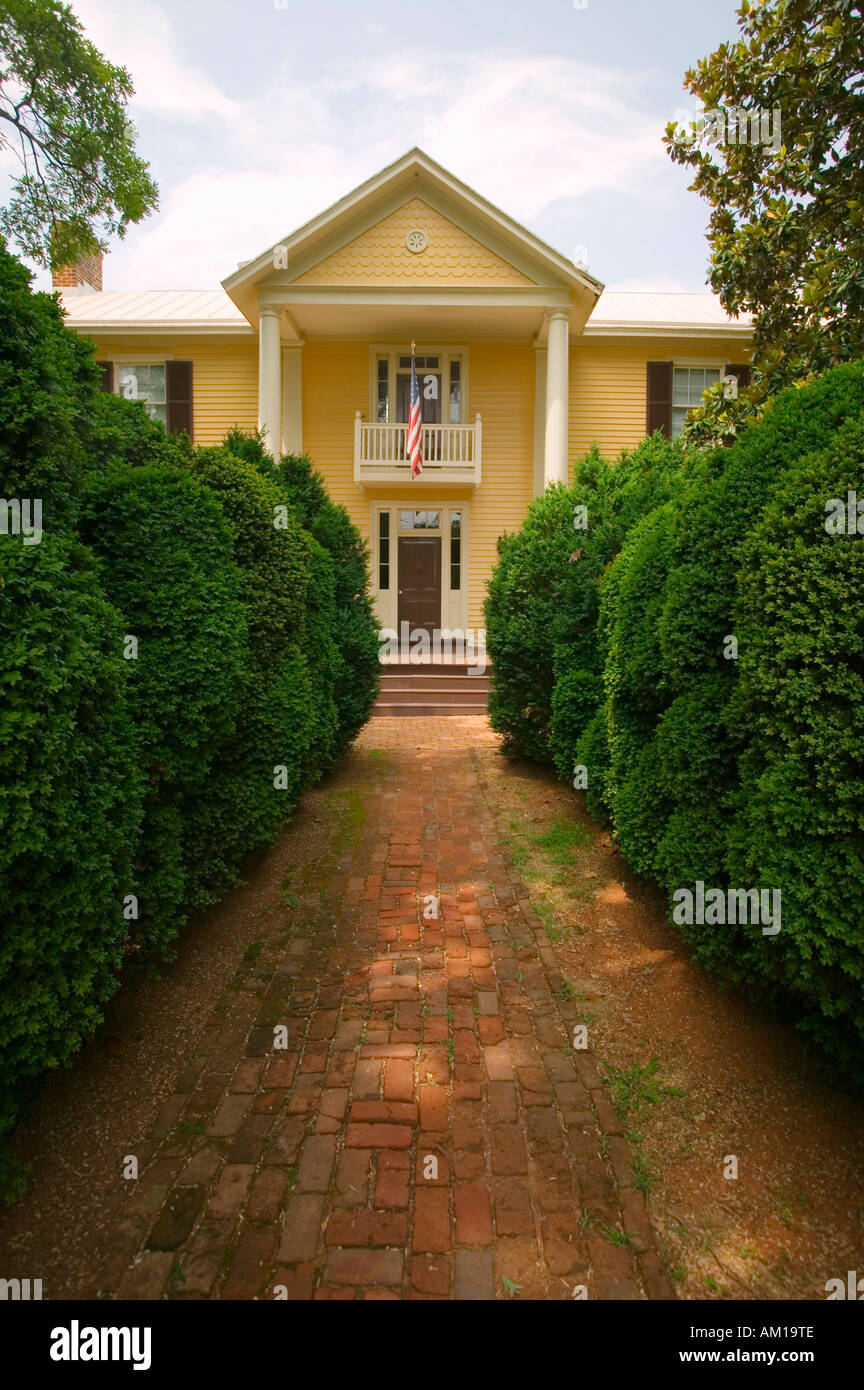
(451, 454)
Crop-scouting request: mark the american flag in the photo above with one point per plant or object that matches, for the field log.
(415, 424)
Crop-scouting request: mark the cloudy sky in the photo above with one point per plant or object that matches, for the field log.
(256, 114)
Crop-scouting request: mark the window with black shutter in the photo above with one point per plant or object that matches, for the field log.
(741, 372)
(178, 382)
(658, 414)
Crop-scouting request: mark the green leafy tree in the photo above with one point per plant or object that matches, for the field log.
(48, 394)
(787, 208)
(63, 112)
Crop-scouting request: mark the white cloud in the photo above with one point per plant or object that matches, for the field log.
(236, 176)
(139, 36)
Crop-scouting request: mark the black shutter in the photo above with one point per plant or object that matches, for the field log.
(107, 375)
(741, 371)
(178, 387)
(658, 396)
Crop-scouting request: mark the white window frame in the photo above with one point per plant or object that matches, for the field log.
(699, 364)
(143, 360)
(443, 353)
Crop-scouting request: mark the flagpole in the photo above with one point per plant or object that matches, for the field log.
(414, 432)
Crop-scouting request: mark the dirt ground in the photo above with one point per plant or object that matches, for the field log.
(794, 1217)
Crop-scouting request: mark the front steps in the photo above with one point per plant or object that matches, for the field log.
(431, 690)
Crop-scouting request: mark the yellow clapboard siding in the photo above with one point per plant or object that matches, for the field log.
(608, 384)
(335, 387)
(224, 379)
(501, 388)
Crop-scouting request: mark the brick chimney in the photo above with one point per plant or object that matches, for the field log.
(84, 274)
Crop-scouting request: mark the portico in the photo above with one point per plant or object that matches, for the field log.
(280, 394)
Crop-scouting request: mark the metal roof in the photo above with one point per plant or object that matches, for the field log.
(211, 309)
(646, 309)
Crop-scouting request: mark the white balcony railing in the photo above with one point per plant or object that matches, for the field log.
(451, 453)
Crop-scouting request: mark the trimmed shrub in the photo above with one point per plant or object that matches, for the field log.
(799, 712)
(287, 715)
(354, 628)
(527, 616)
(543, 603)
(634, 677)
(323, 660)
(736, 763)
(123, 432)
(693, 748)
(743, 773)
(593, 754)
(638, 482)
(602, 743)
(671, 649)
(69, 808)
(167, 565)
(716, 519)
(146, 774)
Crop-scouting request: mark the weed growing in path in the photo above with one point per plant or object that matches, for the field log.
(634, 1090)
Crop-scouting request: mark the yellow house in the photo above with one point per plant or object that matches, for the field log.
(522, 361)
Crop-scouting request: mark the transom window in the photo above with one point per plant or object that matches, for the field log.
(688, 383)
(440, 378)
(139, 381)
(419, 521)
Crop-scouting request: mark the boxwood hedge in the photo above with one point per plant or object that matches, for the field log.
(670, 667)
(70, 806)
(48, 389)
(355, 629)
(132, 780)
(543, 604)
(798, 709)
(729, 643)
(167, 565)
(287, 713)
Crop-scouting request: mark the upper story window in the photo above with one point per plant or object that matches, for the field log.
(688, 383)
(145, 382)
(440, 377)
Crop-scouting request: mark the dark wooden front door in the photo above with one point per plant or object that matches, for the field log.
(420, 582)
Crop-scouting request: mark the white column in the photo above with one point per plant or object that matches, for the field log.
(539, 418)
(557, 396)
(270, 378)
(292, 398)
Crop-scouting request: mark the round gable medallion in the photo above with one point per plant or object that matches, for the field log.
(416, 241)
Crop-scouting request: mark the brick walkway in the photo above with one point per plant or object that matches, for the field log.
(427, 1131)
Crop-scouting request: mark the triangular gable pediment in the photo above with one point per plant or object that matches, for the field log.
(361, 240)
(383, 254)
